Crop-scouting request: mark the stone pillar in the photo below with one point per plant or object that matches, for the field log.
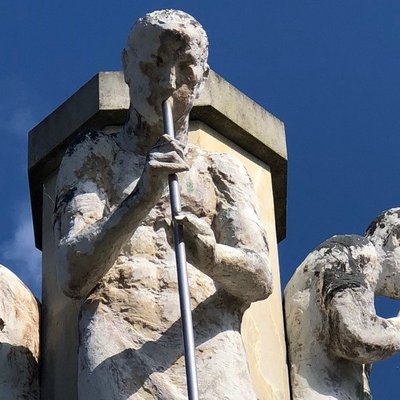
(223, 120)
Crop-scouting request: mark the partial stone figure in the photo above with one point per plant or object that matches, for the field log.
(114, 238)
(19, 339)
(332, 326)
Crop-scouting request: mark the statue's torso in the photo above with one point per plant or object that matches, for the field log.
(130, 323)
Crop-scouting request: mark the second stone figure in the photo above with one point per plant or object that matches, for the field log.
(334, 333)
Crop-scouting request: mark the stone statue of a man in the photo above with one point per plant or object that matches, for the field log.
(113, 233)
(333, 330)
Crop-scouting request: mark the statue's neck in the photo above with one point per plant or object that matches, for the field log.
(144, 135)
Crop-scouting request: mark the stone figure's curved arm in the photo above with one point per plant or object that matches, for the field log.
(243, 272)
(355, 332)
(234, 251)
(88, 238)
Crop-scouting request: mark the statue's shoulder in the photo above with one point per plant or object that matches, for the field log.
(85, 155)
(228, 168)
(224, 160)
(216, 159)
(343, 258)
(338, 252)
(19, 338)
(342, 242)
(90, 141)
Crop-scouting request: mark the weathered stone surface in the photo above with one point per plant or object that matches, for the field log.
(332, 327)
(19, 339)
(113, 234)
(262, 327)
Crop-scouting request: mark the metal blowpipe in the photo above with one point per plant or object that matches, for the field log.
(180, 256)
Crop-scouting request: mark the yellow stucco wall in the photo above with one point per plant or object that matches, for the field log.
(262, 326)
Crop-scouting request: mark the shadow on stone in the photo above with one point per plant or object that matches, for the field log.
(132, 369)
(19, 373)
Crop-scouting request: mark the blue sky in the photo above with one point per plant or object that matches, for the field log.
(329, 69)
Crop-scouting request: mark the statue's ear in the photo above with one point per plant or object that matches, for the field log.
(125, 63)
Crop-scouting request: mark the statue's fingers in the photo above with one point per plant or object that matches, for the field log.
(187, 222)
(168, 167)
(161, 160)
(167, 144)
(196, 225)
(171, 156)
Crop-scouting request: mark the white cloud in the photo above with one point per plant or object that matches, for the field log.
(19, 252)
(19, 107)
(19, 121)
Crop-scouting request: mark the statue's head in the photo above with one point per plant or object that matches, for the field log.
(166, 55)
(384, 233)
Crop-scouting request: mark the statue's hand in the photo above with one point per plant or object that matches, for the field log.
(165, 157)
(199, 240)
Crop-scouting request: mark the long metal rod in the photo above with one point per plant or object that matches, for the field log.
(180, 256)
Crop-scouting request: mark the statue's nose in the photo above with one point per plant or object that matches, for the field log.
(168, 79)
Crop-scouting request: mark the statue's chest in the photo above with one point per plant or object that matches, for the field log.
(197, 189)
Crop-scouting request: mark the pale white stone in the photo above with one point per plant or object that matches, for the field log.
(332, 327)
(114, 237)
(19, 339)
(172, 49)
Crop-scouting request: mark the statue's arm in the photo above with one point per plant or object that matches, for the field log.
(355, 332)
(89, 237)
(234, 251)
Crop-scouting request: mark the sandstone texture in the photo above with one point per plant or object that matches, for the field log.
(334, 333)
(19, 339)
(114, 238)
